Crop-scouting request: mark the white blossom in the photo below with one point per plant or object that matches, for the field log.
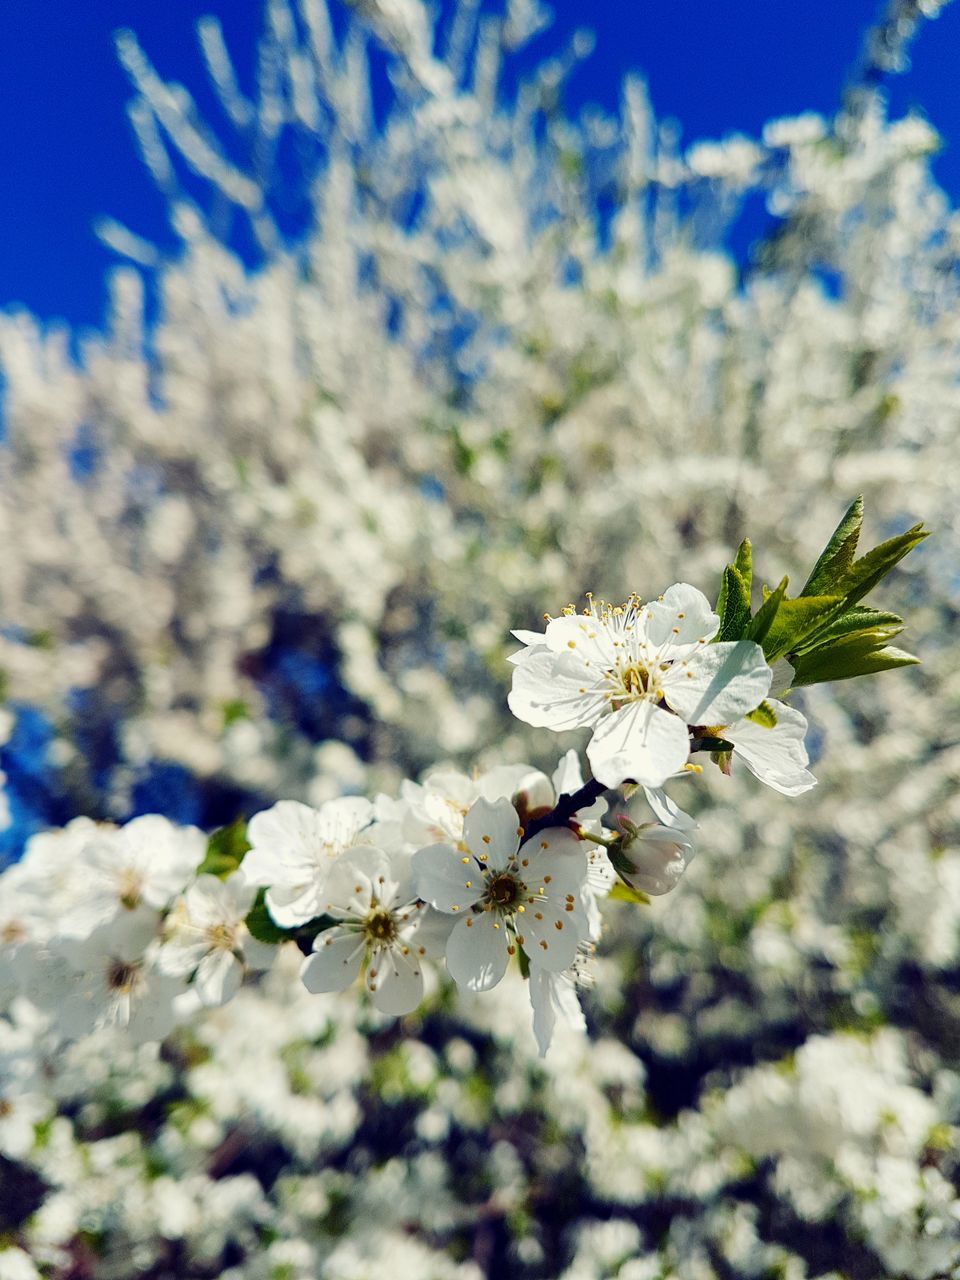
(508, 895)
(609, 669)
(293, 849)
(205, 937)
(378, 921)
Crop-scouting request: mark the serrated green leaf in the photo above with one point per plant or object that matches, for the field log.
(837, 556)
(850, 621)
(795, 620)
(764, 715)
(864, 574)
(733, 605)
(762, 621)
(625, 893)
(226, 849)
(863, 654)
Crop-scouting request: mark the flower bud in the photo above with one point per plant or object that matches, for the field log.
(653, 858)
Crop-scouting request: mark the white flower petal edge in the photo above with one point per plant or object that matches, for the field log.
(477, 953)
(775, 755)
(553, 996)
(719, 684)
(640, 742)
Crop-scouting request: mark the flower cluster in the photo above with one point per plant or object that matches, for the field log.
(484, 406)
(135, 929)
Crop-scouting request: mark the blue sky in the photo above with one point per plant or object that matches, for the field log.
(67, 156)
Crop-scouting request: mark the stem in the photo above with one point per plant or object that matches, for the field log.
(566, 807)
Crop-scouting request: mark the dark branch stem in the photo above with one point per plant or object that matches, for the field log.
(566, 807)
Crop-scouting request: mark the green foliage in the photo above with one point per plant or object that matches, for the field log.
(824, 631)
(264, 928)
(837, 556)
(855, 655)
(260, 922)
(759, 626)
(226, 849)
(733, 603)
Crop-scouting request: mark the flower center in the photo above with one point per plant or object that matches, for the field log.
(380, 926)
(131, 882)
(122, 976)
(221, 937)
(636, 680)
(12, 933)
(504, 892)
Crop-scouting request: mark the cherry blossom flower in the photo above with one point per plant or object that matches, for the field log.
(378, 917)
(107, 979)
(145, 863)
(507, 895)
(205, 935)
(293, 850)
(638, 675)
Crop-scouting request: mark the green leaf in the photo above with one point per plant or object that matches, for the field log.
(265, 929)
(743, 563)
(624, 893)
(862, 654)
(524, 961)
(226, 849)
(850, 621)
(795, 620)
(764, 715)
(837, 556)
(864, 574)
(261, 924)
(762, 622)
(733, 603)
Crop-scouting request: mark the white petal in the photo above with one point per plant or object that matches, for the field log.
(477, 952)
(556, 691)
(529, 637)
(394, 980)
(440, 877)
(335, 963)
(491, 831)
(218, 976)
(641, 742)
(681, 617)
(718, 683)
(181, 954)
(553, 995)
(507, 781)
(552, 933)
(362, 874)
(584, 637)
(296, 905)
(777, 756)
(554, 859)
(666, 811)
(568, 775)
